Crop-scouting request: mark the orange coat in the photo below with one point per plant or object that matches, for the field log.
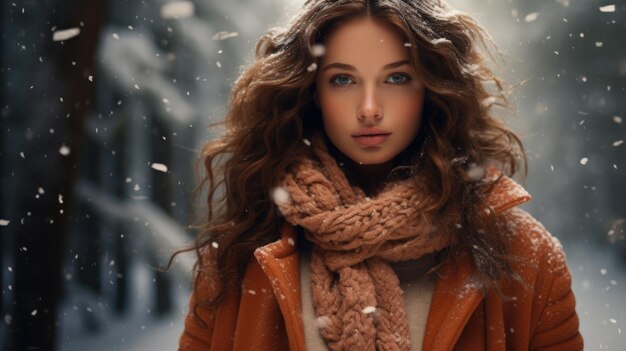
(266, 314)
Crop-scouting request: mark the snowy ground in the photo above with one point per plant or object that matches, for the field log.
(599, 285)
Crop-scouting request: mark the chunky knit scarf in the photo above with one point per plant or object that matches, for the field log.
(356, 293)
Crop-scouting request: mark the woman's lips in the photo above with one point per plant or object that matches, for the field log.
(370, 140)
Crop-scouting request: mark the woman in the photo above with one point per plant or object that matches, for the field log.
(366, 198)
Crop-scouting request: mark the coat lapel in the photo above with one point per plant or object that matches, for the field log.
(454, 300)
(456, 294)
(281, 263)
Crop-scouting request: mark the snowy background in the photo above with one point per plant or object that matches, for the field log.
(103, 106)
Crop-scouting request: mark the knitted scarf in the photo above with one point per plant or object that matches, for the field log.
(356, 293)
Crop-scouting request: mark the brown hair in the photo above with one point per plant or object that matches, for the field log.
(271, 110)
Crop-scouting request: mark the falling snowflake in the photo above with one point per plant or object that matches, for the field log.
(531, 17)
(475, 172)
(224, 35)
(177, 9)
(65, 34)
(607, 8)
(159, 167)
(368, 310)
(318, 50)
(322, 321)
(281, 196)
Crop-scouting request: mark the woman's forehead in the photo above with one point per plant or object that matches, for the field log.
(364, 41)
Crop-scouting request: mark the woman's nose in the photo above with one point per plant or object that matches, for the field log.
(370, 107)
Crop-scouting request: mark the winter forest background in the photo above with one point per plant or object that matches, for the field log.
(104, 106)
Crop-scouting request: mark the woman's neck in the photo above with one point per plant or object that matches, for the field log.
(370, 178)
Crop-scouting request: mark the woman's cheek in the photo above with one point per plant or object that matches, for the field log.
(336, 105)
(409, 109)
(411, 99)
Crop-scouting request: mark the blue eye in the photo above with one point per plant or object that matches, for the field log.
(403, 78)
(340, 80)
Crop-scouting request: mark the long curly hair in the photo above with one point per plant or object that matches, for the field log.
(271, 111)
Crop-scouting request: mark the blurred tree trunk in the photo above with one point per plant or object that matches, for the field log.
(161, 151)
(50, 97)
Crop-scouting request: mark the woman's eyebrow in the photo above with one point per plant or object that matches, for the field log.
(352, 68)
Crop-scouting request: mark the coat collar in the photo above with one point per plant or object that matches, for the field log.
(454, 299)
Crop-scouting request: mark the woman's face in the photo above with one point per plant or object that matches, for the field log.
(369, 94)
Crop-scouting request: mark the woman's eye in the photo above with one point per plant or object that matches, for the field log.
(340, 80)
(398, 78)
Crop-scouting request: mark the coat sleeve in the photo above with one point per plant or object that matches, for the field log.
(199, 321)
(558, 326)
